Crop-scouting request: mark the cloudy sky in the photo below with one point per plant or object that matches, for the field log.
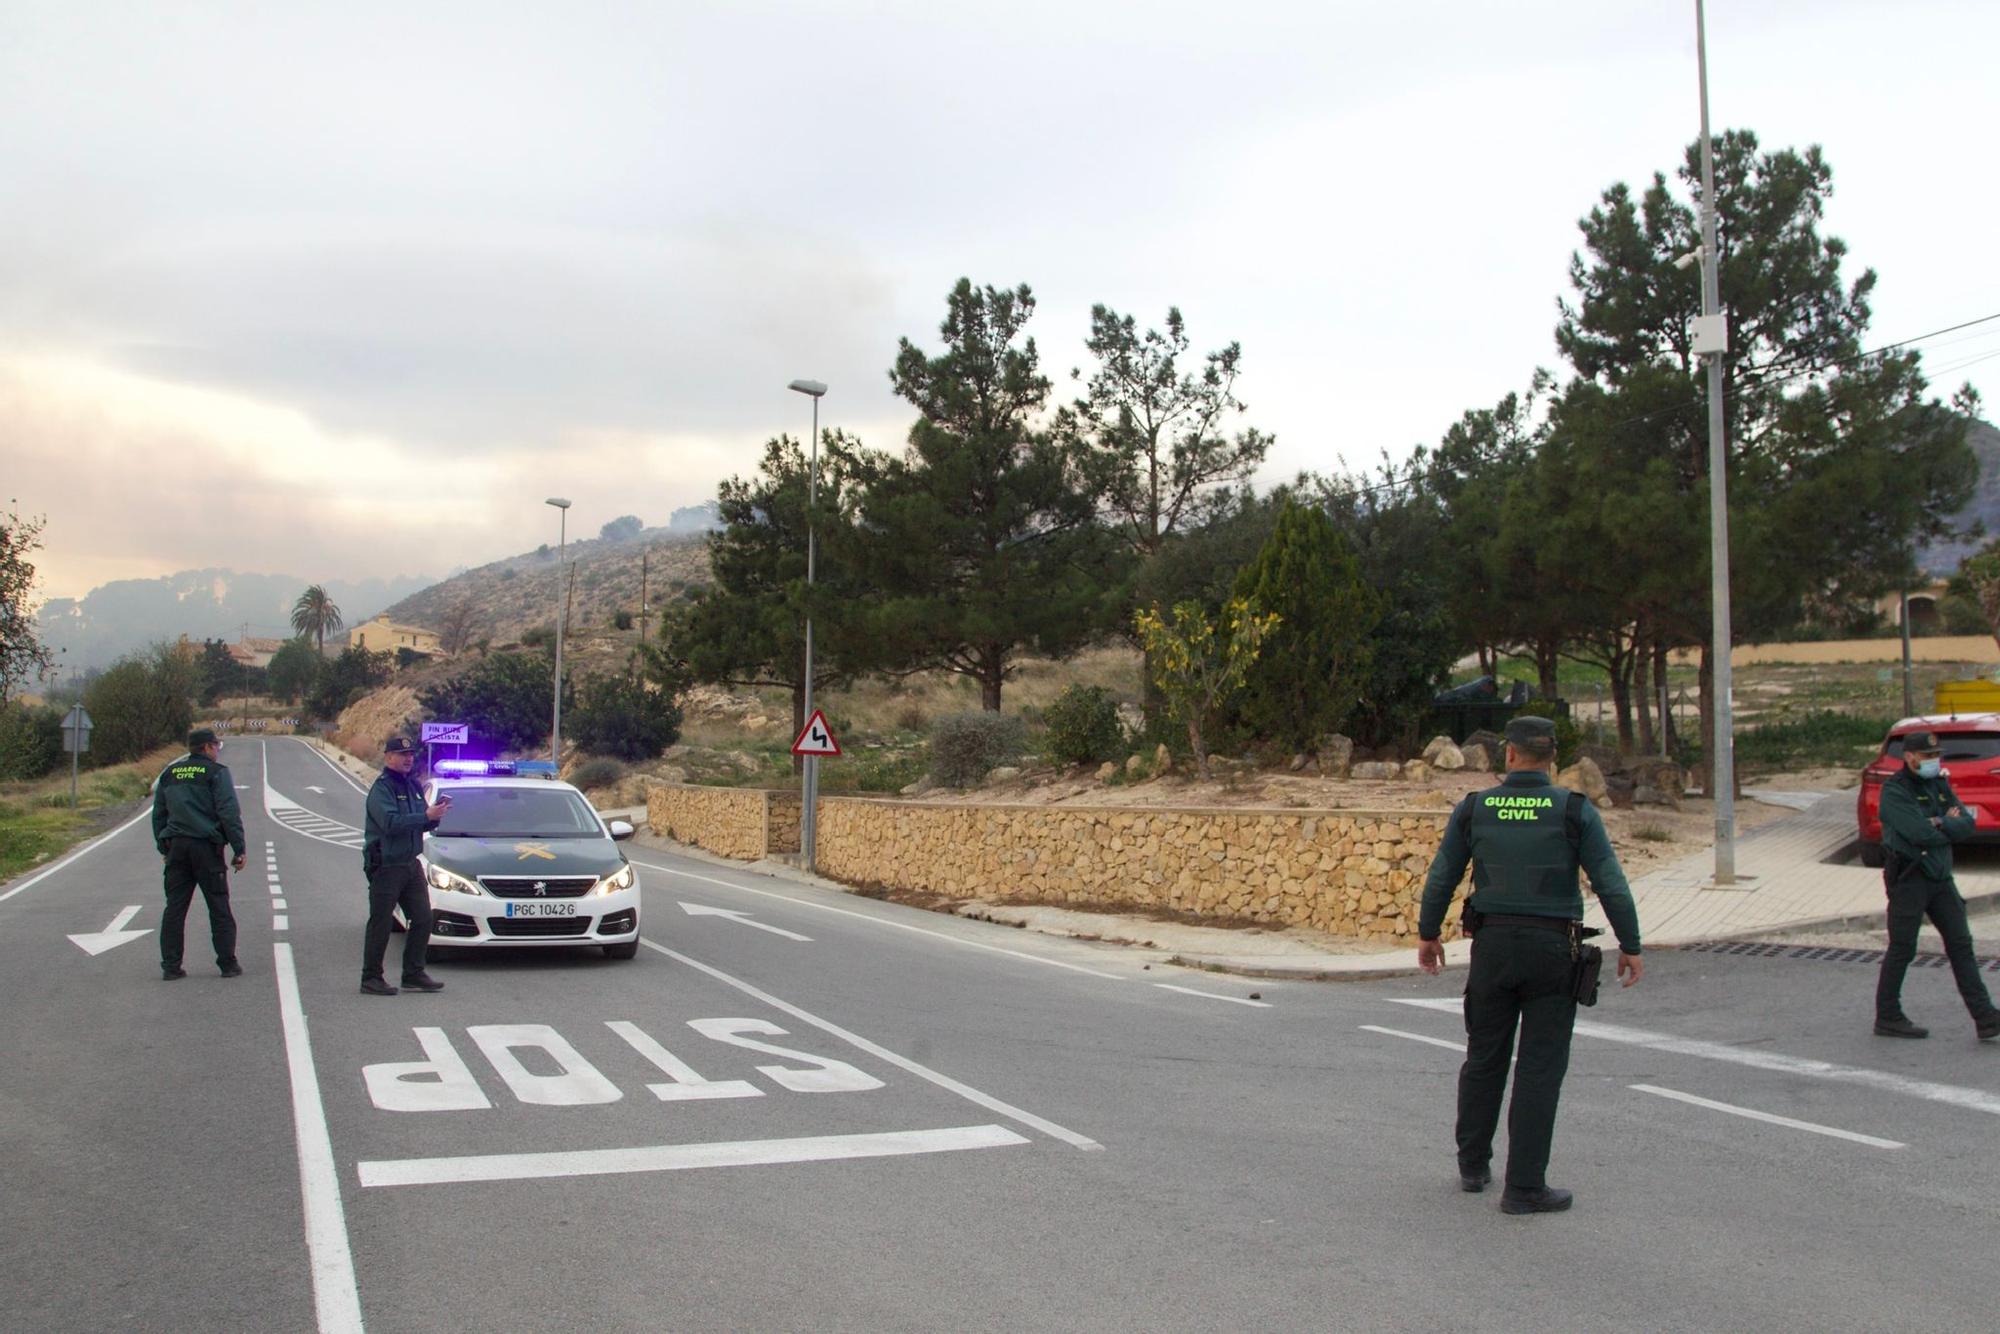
(348, 288)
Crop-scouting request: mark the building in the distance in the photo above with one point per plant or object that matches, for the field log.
(383, 635)
(255, 652)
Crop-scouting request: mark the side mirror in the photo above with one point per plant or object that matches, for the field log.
(621, 830)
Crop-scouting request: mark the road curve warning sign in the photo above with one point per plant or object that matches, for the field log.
(817, 739)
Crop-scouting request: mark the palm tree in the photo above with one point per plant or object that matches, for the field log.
(314, 614)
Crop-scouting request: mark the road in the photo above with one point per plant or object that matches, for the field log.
(870, 1117)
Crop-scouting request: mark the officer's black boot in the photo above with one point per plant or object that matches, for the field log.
(1900, 1028)
(1541, 1200)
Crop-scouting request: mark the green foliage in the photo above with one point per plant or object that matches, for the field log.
(965, 747)
(621, 620)
(1310, 672)
(872, 771)
(30, 741)
(597, 772)
(1961, 616)
(345, 679)
(1200, 659)
(23, 656)
(623, 527)
(539, 636)
(1822, 738)
(980, 538)
(315, 616)
(1083, 726)
(507, 699)
(294, 669)
(140, 702)
(620, 715)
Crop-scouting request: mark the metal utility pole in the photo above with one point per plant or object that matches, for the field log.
(809, 780)
(562, 614)
(1903, 616)
(642, 595)
(1712, 340)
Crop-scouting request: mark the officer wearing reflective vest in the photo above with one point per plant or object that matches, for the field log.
(1525, 841)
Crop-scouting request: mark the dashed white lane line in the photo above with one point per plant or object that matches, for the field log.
(1752, 1114)
(1210, 995)
(336, 1299)
(966, 1091)
(880, 921)
(277, 905)
(1415, 1037)
(1979, 1100)
(280, 922)
(677, 1157)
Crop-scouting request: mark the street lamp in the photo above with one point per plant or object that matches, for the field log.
(809, 779)
(1711, 340)
(562, 543)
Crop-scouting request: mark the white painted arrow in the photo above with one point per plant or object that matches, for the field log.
(111, 937)
(311, 788)
(702, 910)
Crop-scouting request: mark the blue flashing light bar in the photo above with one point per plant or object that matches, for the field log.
(494, 769)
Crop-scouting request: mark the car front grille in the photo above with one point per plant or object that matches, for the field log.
(539, 926)
(538, 886)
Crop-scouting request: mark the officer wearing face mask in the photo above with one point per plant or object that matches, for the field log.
(1921, 818)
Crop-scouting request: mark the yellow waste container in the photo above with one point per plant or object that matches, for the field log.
(1968, 697)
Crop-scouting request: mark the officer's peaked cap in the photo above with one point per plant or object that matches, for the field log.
(399, 745)
(1531, 733)
(1920, 743)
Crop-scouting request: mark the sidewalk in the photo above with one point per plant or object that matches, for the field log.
(1785, 883)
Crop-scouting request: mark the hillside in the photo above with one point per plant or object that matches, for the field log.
(1942, 559)
(505, 599)
(127, 614)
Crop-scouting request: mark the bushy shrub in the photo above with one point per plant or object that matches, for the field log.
(505, 698)
(621, 620)
(620, 715)
(1083, 726)
(601, 771)
(353, 674)
(540, 636)
(964, 747)
(144, 700)
(30, 741)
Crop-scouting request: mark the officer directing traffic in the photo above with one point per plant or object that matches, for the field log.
(1921, 818)
(397, 821)
(1525, 840)
(194, 815)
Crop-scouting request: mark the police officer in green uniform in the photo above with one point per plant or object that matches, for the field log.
(1525, 840)
(396, 822)
(1921, 818)
(194, 815)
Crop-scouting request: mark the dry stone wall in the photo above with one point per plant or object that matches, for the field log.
(728, 821)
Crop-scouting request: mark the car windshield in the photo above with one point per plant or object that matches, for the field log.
(517, 812)
(1954, 746)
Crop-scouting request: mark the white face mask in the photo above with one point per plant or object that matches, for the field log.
(1929, 768)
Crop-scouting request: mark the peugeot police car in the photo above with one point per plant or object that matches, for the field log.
(522, 859)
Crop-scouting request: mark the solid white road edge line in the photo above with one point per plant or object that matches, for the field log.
(102, 839)
(1754, 1115)
(966, 1091)
(351, 780)
(1210, 995)
(679, 1157)
(1415, 1037)
(879, 921)
(1977, 1099)
(335, 1296)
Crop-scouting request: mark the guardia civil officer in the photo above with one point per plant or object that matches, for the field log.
(1921, 818)
(194, 815)
(396, 823)
(1525, 840)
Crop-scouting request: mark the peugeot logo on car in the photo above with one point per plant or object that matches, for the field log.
(541, 887)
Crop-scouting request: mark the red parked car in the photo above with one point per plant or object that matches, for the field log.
(1970, 746)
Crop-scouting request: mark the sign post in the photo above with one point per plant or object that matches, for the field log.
(76, 727)
(453, 734)
(815, 742)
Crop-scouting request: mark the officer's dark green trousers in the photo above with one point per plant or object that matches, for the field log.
(1519, 977)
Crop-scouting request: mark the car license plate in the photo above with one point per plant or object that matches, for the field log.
(543, 908)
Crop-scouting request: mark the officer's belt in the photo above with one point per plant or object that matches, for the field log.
(1564, 924)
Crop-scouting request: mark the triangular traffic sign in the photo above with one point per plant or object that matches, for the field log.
(817, 739)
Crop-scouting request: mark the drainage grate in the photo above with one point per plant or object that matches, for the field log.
(1826, 954)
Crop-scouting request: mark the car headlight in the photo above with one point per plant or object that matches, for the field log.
(440, 878)
(624, 878)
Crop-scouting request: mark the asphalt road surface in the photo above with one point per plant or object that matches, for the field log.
(833, 1113)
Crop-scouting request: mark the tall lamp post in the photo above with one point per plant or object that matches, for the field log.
(809, 780)
(1711, 339)
(562, 545)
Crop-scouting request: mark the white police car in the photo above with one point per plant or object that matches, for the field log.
(522, 859)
